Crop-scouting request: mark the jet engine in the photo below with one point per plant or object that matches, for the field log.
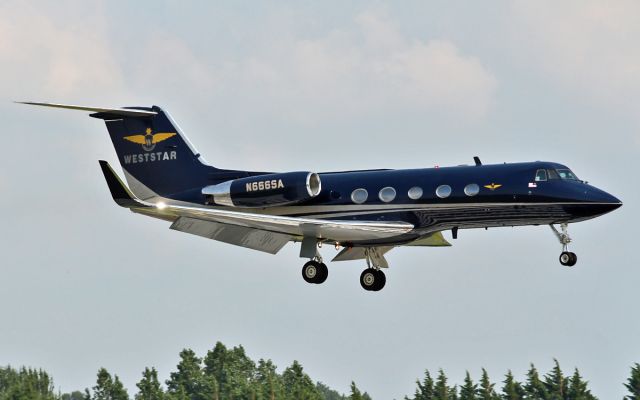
(265, 190)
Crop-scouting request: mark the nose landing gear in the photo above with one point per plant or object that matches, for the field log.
(567, 258)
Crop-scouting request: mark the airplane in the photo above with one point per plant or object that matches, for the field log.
(363, 213)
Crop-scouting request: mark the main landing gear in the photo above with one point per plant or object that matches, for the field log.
(372, 278)
(567, 258)
(315, 271)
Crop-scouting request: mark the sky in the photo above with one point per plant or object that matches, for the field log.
(287, 86)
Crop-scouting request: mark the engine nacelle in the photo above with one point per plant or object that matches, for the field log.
(266, 190)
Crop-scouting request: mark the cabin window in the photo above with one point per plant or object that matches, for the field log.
(443, 191)
(415, 193)
(359, 196)
(566, 174)
(553, 174)
(541, 175)
(471, 189)
(387, 194)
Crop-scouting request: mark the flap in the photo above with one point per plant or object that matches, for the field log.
(255, 239)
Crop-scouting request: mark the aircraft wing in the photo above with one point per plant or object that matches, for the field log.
(257, 231)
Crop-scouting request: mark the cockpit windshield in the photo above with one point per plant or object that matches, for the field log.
(555, 173)
(566, 173)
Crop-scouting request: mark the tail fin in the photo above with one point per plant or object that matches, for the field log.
(157, 158)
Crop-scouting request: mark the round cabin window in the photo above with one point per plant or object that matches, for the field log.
(471, 189)
(387, 194)
(359, 196)
(443, 191)
(415, 193)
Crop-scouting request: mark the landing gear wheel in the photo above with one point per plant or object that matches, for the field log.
(315, 272)
(568, 258)
(574, 259)
(382, 280)
(372, 279)
(323, 273)
(310, 271)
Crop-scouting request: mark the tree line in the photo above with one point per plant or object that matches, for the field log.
(229, 374)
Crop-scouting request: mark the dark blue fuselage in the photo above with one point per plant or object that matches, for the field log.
(496, 195)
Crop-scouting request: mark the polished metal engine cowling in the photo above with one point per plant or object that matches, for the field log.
(266, 190)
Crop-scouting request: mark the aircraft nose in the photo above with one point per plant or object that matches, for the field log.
(606, 201)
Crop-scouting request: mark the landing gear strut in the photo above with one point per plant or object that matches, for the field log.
(567, 258)
(315, 271)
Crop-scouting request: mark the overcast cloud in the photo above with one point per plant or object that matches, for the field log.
(327, 86)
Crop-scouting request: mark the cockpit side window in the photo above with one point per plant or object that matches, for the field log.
(567, 174)
(553, 174)
(541, 175)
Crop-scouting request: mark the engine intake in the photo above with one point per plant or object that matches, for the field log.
(266, 190)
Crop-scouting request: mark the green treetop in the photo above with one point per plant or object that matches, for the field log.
(108, 388)
(577, 389)
(189, 382)
(149, 387)
(298, 385)
(486, 390)
(468, 389)
(233, 370)
(556, 383)
(440, 389)
(512, 389)
(534, 388)
(633, 383)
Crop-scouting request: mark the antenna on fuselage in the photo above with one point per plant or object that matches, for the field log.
(477, 160)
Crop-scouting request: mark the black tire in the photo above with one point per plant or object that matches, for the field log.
(310, 271)
(381, 280)
(565, 258)
(573, 259)
(323, 273)
(369, 279)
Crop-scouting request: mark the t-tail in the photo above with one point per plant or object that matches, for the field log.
(157, 158)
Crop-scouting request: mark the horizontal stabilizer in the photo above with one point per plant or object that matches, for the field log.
(103, 112)
(119, 191)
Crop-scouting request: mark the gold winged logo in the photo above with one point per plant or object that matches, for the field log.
(493, 186)
(150, 139)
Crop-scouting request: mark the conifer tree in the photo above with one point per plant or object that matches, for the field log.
(512, 389)
(486, 390)
(149, 387)
(577, 389)
(453, 393)
(468, 389)
(440, 389)
(556, 383)
(355, 392)
(633, 383)
(534, 388)
(425, 390)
